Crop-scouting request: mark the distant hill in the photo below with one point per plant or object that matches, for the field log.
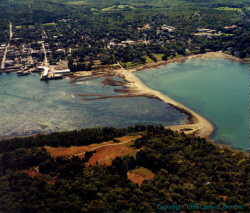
(49, 10)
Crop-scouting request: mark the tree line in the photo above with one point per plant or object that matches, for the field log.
(189, 170)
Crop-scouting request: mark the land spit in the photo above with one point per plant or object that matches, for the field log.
(133, 86)
(197, 125)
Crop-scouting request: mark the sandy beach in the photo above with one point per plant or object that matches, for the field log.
(198, 125)
(182, 59)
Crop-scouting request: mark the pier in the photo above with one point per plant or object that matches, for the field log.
(47, 73)
(7, 47)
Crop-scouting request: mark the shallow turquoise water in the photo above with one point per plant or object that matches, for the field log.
(28, 106)
(216, 88)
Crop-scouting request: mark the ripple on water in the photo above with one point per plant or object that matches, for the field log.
(29, 106)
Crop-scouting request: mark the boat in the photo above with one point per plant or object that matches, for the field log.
(22, 73)
(51, 76)
(56, 76)
(39, 69)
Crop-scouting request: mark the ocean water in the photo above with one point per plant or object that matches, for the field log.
(29, 106)
(216, 88)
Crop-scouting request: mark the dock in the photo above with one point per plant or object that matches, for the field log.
(47, 71)
(48, 74)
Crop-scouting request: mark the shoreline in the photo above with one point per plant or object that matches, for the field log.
(198, 125)
(182, 59)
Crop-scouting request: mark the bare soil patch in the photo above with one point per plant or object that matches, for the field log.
(139, 175)
(81, 150)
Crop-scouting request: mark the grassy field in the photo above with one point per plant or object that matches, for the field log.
(117, 7)
(229, 9)
(77, 3)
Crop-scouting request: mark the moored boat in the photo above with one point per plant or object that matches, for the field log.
(22, 73)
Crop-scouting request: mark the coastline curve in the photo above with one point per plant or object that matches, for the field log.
(198, 125)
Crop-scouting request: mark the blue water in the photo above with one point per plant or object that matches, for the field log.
(29, 106)
(216, 88)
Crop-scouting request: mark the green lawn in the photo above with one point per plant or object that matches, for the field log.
(229, 9)
(77, 3)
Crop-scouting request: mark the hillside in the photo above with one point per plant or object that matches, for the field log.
(24, 11)
(111, 20)
(165, 169)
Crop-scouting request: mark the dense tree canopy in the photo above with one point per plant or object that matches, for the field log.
(188, 170)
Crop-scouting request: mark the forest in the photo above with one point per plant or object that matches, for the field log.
(188, 171)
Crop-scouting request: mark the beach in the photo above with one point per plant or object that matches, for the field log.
(182, 59)
(198, 125)
(131, 86)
